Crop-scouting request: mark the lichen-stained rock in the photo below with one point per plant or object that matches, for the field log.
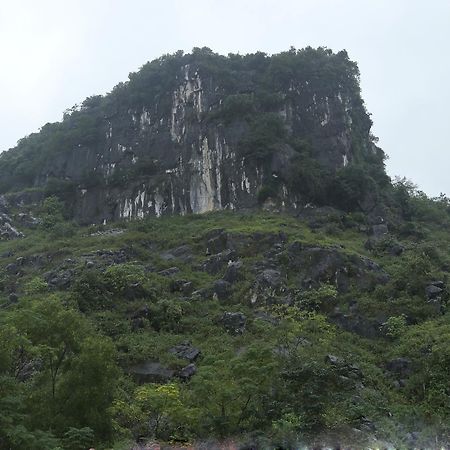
(314, 265)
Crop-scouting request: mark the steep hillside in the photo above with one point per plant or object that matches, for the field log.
(266, 328)
(202, 132)
(306, 307)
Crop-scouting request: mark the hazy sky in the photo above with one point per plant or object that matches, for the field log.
(54, 53)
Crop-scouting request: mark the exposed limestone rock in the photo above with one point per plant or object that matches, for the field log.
(172, 152)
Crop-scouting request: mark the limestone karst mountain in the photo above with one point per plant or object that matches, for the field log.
(307, 309)
(202, 132)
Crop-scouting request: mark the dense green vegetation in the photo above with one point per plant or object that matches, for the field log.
(292, 373)
(330, 326)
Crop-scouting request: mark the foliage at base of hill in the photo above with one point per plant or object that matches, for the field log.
(290, 351)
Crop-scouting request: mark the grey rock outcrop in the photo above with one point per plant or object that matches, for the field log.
(185, 350)
(234, 322)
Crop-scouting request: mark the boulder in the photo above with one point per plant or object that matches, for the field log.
(111, 257)
(216, 263)
(13, 298)
(379, 231)
(59, 279)
(356, 323)
(4, 218)
(202, 294)
(8, 232)
(216, 241)
(222, 289)
(234, 322)
(187, 372)
(401, 367)
(434, 290)
(233, 272)
(185, 350)
(316, 265)
(184, 286)
(269, 278)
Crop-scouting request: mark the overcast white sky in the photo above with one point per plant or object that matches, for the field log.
(55, 53)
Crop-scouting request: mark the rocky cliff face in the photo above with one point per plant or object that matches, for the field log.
(197, 133)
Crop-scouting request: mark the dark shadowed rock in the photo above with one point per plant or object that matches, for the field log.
(222, 289)
(184, 286)
(379, 231)
(202, 294)
(59, 278)
(316, 265)
(13, 297)
(216, 241)
(109, 257)
(187, 372)
(234, 272)
(216, 263)
(353, 322)
(401, 367)
(270, 278)
(433, 291)
(234, 322)
(185, 350)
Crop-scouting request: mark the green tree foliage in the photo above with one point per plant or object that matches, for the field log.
(56, 373)
(427, 346)
(232, 391)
